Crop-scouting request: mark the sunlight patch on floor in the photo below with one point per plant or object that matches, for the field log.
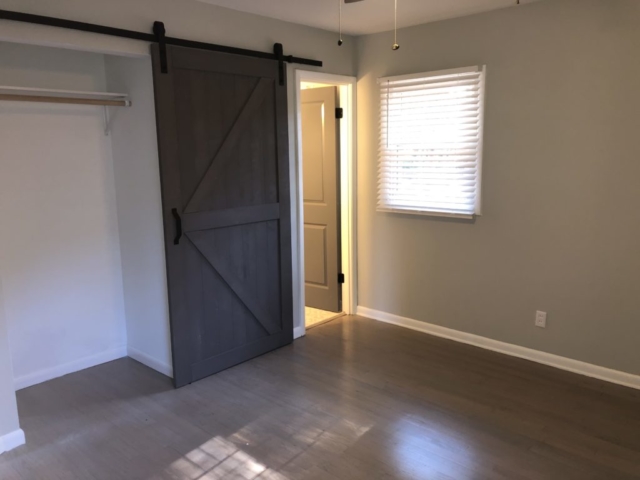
(220, 458)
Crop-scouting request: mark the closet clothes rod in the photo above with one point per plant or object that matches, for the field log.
(41, 95)
(65, 100)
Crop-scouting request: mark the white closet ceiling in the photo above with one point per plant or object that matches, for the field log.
(367, 16)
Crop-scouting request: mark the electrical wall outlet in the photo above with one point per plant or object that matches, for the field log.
(541, 319)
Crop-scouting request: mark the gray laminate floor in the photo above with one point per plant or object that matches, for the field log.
(355, 399)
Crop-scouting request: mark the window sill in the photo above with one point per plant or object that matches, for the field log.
(424, 213)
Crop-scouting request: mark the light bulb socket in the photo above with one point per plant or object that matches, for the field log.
(395, 46)
(340, 42)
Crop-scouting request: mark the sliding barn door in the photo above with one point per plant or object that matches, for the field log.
(222, 134)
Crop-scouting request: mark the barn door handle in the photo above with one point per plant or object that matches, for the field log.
(178, 220)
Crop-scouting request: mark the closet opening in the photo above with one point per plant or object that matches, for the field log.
(81, 249)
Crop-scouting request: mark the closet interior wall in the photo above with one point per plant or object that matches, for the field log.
(137, 184)
(81, 252)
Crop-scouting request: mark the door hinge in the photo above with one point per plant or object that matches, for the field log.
(341, 278)
(339, 113)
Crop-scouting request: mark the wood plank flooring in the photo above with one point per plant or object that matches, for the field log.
(354, 399)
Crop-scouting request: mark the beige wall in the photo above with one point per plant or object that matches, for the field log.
(561, 228)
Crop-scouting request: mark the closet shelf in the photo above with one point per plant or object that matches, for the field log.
(42, 95)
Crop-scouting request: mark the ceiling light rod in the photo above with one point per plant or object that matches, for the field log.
(395, 27)
(340, 42)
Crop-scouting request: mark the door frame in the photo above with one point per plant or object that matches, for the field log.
(348, 148)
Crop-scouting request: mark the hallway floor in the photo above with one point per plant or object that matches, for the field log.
(314, 316)
(354, 399)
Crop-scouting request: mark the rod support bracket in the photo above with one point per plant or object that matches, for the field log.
(107, 121)
(160, 32)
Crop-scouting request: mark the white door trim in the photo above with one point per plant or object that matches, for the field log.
(347, 90)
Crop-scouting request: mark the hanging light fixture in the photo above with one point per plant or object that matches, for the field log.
(395, 27)
(340, 42)
(395, 46)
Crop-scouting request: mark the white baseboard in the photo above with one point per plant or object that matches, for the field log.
(563, 363)
(64, 369)
(299, 332)
(11, 440)
(151, 362)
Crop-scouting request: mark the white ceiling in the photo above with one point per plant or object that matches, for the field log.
(368, 16)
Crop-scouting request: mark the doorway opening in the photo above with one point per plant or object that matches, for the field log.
(325, 108)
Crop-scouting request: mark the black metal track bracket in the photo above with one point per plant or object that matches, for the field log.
(278, 51)
(160, 32)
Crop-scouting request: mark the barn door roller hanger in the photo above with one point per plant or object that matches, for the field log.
(158, 36)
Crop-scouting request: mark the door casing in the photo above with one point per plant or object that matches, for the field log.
(348, 150)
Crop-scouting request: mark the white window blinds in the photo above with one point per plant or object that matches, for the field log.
(430, 156)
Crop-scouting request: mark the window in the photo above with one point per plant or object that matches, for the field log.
(430, 157)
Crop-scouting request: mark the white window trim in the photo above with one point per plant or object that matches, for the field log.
(428, 213)
(478, 204)
(438, 73)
